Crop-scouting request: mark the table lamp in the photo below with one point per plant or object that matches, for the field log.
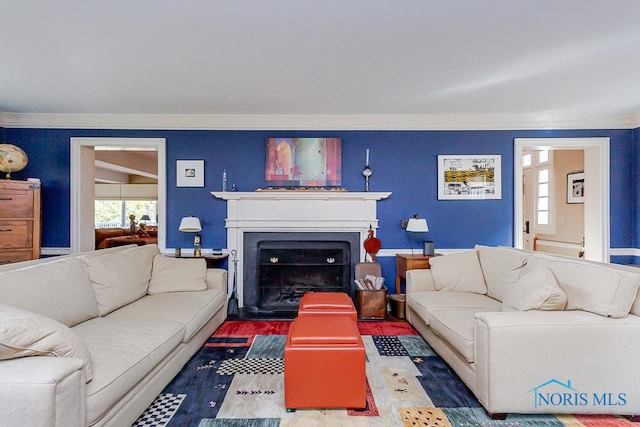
(145, 218)
(191, 224)
(419, 225)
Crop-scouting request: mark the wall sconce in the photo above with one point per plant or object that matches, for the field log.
(191, 224)
(418, 225)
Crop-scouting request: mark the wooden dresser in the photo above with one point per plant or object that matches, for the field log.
(19, 221)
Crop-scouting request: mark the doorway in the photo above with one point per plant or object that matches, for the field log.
(596, 200)
(83, 186)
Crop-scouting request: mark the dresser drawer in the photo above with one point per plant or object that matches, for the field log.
(16, 234)
(16, 203)
(7, 257)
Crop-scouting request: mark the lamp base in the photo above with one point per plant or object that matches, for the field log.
(429, 247)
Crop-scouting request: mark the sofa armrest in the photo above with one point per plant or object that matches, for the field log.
(522, 358)
(419, 280)
(216, 279)
(42, 391)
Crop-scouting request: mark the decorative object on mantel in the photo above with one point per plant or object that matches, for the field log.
(12, 159)
(366, 172)
(224, 180)
(301, 189)
(191, 224)
(372, 245)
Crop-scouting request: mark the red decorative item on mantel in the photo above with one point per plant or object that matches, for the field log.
(372, 245)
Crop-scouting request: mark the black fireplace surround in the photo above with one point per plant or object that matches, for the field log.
(279, 267)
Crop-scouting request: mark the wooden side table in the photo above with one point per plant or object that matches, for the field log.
(212, 260)
(406, 262)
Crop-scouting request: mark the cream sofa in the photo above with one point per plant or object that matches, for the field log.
(122, 323)
(531, 332)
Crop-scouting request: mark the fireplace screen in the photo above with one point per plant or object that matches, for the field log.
(289, 269)
(279, 267)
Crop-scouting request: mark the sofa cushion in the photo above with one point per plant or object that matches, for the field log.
(59, 289)
(424, 301)
(24, 333)
(123, 353)
(593, 287)
(458, 272)
(177, 274)
(120, 277)
(457, 327)
(536, 290)
(501, 268)
(192, 309)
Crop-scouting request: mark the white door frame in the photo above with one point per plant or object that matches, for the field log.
(597, 198)
(82, 184)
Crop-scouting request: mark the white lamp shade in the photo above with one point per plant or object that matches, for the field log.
(417, 225)
(190, 224)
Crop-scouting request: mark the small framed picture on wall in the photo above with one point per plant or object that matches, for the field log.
(190, 173)
(575, 187)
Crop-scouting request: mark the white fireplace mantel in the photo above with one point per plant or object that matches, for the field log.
(297, 211)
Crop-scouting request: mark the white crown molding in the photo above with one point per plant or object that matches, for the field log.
(317, 122)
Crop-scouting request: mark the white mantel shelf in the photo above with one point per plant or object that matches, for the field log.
(296, 211)
(301, 210)
(299, 195)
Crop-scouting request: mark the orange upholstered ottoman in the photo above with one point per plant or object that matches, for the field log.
(314, 303)
(324, 364)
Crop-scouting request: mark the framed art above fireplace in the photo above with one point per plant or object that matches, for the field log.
(303, 162)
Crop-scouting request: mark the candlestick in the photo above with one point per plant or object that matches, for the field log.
(366, 173)
(224, 180)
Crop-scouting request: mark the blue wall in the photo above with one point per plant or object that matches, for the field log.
(403, 162)
(635, 175)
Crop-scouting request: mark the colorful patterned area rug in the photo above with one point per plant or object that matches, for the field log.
(236, 379)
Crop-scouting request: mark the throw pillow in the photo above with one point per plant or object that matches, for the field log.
(119, 277)
(501, 268)
(24, 333)
(536, 290)
(458, 272)
(177, 275)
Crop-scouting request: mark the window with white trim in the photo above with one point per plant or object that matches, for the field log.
(543, 200)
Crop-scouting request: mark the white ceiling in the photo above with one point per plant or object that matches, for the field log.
(552, 58)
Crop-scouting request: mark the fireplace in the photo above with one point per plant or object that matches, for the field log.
(279, 267)
(308, 218)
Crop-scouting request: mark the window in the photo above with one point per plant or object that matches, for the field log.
(543, 199)
(115, 213)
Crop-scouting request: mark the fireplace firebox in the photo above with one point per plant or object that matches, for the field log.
(281, 267)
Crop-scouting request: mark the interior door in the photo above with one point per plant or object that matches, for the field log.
(527, 209)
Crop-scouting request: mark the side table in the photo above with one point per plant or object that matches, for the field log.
(406, 262)
(212, 260)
